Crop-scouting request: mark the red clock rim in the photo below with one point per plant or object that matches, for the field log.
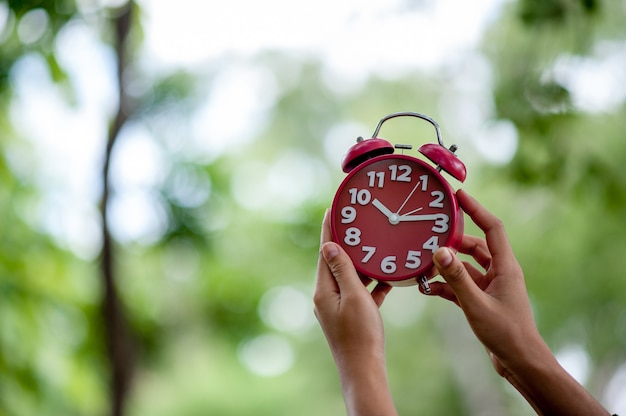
(454, 221)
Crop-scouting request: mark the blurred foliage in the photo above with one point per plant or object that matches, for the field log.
(565, 178)
(537, 12)
(241, 224)
(49, 349)
(57, 12)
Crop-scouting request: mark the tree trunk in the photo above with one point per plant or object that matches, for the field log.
(120, 345)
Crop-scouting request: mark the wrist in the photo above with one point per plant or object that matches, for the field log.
(364, 384)
(533, 355)
(361, 371)
(548, 387)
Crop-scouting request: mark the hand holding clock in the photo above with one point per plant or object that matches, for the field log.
(348, 314)
(495, 304)
(498, 310)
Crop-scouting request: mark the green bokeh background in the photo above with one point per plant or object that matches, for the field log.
(218, 301)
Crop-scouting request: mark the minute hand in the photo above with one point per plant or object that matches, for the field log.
(422, 217)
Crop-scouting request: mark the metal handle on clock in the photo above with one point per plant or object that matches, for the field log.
(410, 114)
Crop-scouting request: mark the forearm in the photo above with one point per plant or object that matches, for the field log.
(550, 389)
(365, 387)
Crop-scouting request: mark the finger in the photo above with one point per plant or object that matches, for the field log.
(380, 292)
(326, 232)
(444, 290)
(482, 281)
(477, 248)
(342, 269)
(497, 240)
(455, 274)
(326, 295)
(365, 280)
(325, 282)
(344, 275)
(441, 289)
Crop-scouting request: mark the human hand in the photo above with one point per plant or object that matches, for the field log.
(349, 316)
(348, 313)
(495, 302)
(497, 308)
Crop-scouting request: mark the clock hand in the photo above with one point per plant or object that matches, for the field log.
(382, 208)
(415, 210)
(423, 217)
(393, 218)
(408, 197)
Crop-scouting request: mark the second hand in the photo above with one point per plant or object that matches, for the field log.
(414, 211)
(408, 197)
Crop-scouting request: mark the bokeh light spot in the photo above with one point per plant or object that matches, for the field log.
(403, 307)
(267, 355)
(286, 308)
(32, 26)
(575, 359)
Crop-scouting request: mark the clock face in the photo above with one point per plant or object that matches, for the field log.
(390, 215)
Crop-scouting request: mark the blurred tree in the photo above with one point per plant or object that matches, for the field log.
(32, 28)
(48, 363)
(119, 338)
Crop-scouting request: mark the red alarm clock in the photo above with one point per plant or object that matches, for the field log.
(393, 211)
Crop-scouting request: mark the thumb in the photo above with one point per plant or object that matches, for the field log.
(340, 266)
(455, 274)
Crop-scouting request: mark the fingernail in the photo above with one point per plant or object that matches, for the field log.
(444, 256)
(330, 250)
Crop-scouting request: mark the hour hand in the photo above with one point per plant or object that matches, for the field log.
(392, 217)
(382, 208)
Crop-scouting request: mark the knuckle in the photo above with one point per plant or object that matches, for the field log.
(318, 299)
(455, 274)
(497, 224)
(338, 267)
